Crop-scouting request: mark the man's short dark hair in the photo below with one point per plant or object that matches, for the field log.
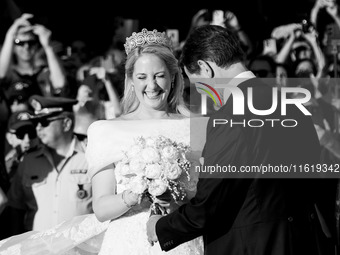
(211, 43)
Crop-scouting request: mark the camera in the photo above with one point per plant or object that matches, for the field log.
(307, 26)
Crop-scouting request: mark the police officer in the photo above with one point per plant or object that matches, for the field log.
(22, 137)
(52, 183)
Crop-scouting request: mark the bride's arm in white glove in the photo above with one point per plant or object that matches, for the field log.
(108, 205)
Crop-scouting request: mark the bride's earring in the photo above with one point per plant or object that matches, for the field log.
(132, 88)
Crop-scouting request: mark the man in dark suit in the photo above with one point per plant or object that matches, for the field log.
(240, 213)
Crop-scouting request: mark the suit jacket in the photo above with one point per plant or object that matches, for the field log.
(252, 215)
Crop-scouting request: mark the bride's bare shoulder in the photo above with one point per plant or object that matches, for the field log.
(100, 126)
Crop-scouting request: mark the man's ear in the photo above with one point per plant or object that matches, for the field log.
(67, 123)
(206, 69)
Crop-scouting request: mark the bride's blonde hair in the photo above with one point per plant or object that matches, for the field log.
(175, 98)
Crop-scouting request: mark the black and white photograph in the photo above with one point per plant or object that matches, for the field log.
(180, 128)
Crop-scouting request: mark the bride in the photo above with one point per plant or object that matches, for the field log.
(152, 105)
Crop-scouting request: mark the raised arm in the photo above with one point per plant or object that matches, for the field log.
(283, 54)
(233, 23)
(319, 56)
(332, 9)
(101, 74)
(57, 73)
(319, 4)
(196, 17)
(7, 48)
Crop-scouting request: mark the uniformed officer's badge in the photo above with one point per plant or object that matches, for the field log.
(81, 193)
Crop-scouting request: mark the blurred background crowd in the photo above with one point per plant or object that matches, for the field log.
(76, 51)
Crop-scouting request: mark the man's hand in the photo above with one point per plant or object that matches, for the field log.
(232, 21)
(197, 16)
(99, 72)
(332, 9)
(22, 21)
(43, 33)
(84, 94)
(151, 228)
(311, 36)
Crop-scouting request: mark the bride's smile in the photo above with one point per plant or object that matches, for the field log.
(153, 95)
(151, 81)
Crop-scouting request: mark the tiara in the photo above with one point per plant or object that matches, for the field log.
(145, 38)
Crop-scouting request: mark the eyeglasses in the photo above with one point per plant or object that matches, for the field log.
(45, 122)
(30, 43)
(21, 133)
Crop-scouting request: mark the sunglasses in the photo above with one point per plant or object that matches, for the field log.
(21, 133)
(30, 43)
(44, 122)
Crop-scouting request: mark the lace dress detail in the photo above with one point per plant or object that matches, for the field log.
(81, 235)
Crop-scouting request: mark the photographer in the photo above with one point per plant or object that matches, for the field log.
(300, 41)
(18, 67)
(99, 93)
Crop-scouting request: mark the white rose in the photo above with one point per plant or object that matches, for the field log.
(138, 185)
(133, 151)
(163, 141)
(124, 159)
(149, 142)
(137, 166)
(157, 187)
(153, 171)
(122, 180)
(170, 153)
(125, 170)
(122, 169)
(150, 155)
(173, 172)
(140, 141)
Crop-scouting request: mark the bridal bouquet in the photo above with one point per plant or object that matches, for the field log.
(155, 166)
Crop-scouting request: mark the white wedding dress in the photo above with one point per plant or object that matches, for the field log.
(126, 235)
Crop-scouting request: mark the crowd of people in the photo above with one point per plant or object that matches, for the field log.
(57, 103)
